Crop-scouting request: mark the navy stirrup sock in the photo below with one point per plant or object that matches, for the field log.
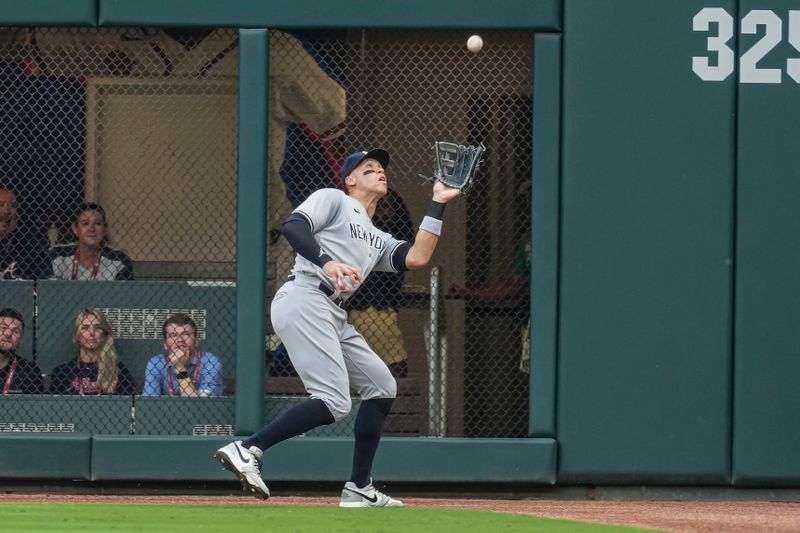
(299, 419)
(369, 424)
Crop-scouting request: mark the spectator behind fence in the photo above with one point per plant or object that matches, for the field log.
(183, 369)
(17, 375)
(97, 368)
(373, 309)
(515, 287)
(13, 263)
(8, 223)
(91, 257)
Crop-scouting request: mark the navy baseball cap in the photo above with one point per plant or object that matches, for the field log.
(353, 160)
(10, 312)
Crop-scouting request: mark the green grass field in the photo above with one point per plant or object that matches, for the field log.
(52, 517)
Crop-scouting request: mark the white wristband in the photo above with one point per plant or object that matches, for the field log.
(431, 225)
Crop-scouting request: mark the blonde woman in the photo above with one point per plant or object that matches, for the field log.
(96, 369)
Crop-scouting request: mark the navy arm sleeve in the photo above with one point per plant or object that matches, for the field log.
(399, 256)
(297, 231)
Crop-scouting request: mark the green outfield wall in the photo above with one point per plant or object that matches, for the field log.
(766, 362)
(665, 296)
(644, 381)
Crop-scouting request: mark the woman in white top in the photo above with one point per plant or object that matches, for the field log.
(90, 257)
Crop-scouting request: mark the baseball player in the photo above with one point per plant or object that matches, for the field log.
(337, 247)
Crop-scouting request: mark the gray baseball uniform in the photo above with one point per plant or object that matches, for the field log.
(329, 355)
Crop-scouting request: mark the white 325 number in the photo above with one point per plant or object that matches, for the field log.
(749, 71)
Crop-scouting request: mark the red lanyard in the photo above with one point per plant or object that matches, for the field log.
(10, 376)
(195, 375)
(76, 261)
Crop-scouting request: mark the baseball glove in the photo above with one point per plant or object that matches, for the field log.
(456, 164)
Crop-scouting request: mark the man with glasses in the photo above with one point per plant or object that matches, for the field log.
(183, 369)
(17, 375)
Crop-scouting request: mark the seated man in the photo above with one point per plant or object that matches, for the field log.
(183, 369)
(17, 375)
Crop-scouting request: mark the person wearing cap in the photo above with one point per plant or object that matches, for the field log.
(337, 247)
(17, 375)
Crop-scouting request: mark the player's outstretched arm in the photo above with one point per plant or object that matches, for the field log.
(420, 253)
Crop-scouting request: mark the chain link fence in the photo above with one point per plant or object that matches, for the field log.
(120, 149)
(123, 141)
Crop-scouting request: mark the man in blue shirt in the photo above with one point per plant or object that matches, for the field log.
(183, 369)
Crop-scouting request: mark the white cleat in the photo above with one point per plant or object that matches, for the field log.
(246, 465)
(369, 496)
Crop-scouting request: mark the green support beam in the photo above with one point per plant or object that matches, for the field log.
(545, 206)
(251, 229)
(540, 15)
(58, 455)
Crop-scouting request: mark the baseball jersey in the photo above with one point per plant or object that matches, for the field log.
(9, 264)
(20, 258)
(342, 228)
(384, 290)
(114, 265)
(81, 378)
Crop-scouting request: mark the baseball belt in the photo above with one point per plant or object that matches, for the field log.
(327, 291)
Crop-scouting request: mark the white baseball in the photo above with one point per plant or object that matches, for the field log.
(475, 43)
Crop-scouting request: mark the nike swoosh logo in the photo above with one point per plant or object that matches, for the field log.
(373, 499)
(241, 456)
(356, 210)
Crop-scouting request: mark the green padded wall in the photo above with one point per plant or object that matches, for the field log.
(541, 14)
(766, 437)
(645, 308)
(48, 12)
(19, 295)
(59, 302)
(56, 455)
(329, 459)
